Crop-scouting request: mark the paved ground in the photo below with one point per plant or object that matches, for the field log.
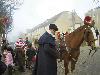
(90, 67)
(27, 72)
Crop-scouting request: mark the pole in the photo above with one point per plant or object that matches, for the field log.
(73, 19)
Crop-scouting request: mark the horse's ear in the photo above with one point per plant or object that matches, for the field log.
(66, 33)
(93, 23)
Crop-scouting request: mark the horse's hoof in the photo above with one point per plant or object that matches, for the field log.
(72, 71)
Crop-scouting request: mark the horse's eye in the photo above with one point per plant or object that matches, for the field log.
(92, 41)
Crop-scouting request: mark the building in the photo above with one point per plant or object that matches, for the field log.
(66, 22)
(95, 14)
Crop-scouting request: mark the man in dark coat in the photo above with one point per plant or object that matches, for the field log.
(47, 55)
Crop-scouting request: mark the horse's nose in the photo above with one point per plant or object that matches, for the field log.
(93, 46)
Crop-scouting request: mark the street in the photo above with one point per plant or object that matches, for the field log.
(86, 64)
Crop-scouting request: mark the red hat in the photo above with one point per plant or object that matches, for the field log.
(87, 20)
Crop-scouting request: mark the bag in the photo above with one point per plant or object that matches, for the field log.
(3, 67)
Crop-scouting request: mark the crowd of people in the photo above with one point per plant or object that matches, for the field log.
(23, 55)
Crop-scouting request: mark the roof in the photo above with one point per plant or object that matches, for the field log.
(49, 21)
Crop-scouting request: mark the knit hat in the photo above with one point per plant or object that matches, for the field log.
(87, 20)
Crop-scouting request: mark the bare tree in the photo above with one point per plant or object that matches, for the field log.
(7, 8)
(97, 2)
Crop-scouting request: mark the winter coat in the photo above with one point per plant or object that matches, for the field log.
(47, 55)
(30, 53)
(9, 59)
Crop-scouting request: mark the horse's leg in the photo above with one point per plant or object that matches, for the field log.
(65, 57)
(66, 63)
(60, 56)
(94, 52)
(74, 59)
(73, 62)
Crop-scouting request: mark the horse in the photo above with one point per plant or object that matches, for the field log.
(69, 45)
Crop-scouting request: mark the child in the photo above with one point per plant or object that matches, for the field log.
(8, 60)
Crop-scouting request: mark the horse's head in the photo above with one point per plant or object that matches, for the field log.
(89, 37)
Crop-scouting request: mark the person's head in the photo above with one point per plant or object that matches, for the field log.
(89, 21)
(53, 28)
(29, 45)
(20, 40)
(9, 48)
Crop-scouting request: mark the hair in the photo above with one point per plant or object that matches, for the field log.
(53, 26)
(9, 48)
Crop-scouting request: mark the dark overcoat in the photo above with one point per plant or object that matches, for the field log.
(47, 55)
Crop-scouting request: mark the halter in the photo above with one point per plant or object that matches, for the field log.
(90, 41)
(87, 29)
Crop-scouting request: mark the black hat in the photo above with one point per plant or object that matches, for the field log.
(53, 26)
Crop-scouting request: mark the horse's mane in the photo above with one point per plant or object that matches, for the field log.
(72, 34)
(78, 29)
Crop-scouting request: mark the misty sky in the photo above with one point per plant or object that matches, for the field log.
(34, 12)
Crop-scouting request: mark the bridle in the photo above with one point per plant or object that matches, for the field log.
(90, 42)
(86, 32)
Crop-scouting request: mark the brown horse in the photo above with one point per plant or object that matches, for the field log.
(69, 45)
